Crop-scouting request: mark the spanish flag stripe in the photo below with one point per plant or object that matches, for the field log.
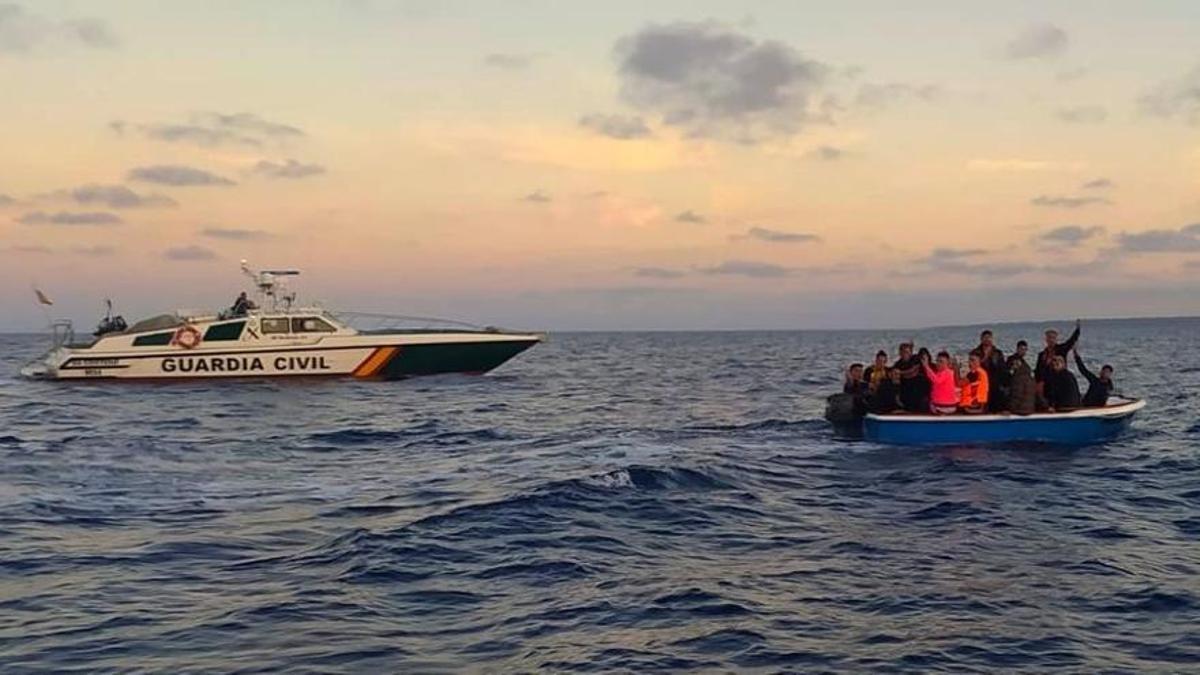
(373, 363)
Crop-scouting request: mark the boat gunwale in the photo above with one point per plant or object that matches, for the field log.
(1127, 407)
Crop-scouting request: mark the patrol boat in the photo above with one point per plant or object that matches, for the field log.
(276, 338)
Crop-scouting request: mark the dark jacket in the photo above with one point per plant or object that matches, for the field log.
(993, 363)
(886, 398)
(1046, 355)
(914, 388)
(1022, 391)
(1098, 390)
(856, 388)
(1062, 390)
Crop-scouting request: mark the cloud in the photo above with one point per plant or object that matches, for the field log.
(623, 127)
(1038, 42)
(235, 234)
(5, 200)
(189, 253)
(212, 129)
(19, 31)
(1083, 114)
(955, 253)
(690, 216)
(711, 81)
(1069, 235)
(965, 262)
(537, 197)
(747, 268)
(191, 133)
(70, 218)
(1020, 165)
(1063, 202)
(778, 236)
(287, 169)
(991, 270)
(92, 32)
(877, 96)
(179, 176)
(35, 249)
(1071, 74)
(1191, 265)
(1175, 98)
(826, 153)
(657, 273)
(509, 61)
(1185, 239)
(1098, 184)
(961, 261)
(22, 32)
(115, 197)
(93, 251)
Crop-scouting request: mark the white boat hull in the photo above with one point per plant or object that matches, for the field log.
(361, 356)
(280, 341)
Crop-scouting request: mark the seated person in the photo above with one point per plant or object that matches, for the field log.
(974, 398)
(1060, 387)
(1022, 390)
(876, 372)
(997, 371)
(912, 380)
(886, 398)
(1018, 355)
(1099, 388)
(242, 305)
(943, 393)
(854, 383)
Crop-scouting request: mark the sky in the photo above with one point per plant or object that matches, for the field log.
(618, 165)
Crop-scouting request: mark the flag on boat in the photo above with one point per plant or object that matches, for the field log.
(42, 297)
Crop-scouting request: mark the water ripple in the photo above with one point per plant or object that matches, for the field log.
(608, 502)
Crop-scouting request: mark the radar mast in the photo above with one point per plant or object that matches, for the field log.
(271, 289)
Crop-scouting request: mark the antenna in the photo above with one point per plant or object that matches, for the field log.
(270, 286)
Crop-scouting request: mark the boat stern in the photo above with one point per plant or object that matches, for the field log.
(46, 367)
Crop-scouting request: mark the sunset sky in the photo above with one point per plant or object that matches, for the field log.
(623, 165)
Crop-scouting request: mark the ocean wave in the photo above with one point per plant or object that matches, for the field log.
(630, 503)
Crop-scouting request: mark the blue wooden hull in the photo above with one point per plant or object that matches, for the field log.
(1080, 427)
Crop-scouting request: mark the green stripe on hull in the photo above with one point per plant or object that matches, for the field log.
(459, 357)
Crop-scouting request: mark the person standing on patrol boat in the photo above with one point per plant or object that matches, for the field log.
(242, 305)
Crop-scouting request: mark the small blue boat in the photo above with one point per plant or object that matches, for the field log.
(1077, 427)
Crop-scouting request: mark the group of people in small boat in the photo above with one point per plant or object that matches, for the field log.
(919, 382)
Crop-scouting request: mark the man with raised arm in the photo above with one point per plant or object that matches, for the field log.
(1099, 387)
(1045, 361)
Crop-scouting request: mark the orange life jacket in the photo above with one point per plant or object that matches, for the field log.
(975, 393)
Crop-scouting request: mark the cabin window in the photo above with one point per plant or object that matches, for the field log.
(224, 331)
(311, 324)
(274, 326)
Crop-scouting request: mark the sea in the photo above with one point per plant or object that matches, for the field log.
(606, 502)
